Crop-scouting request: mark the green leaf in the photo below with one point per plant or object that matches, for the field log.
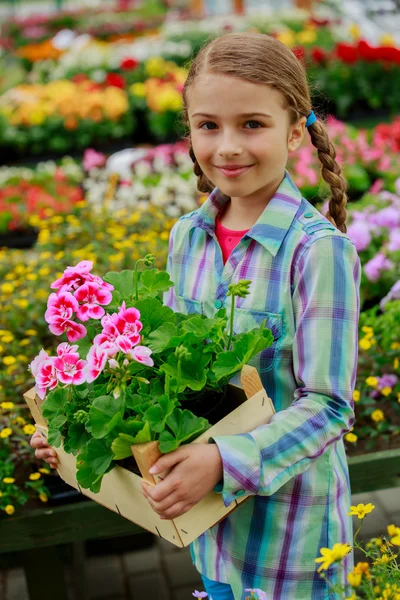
(77, 438)
(132, 400)
(123, 282)
(88, 479)
(153, 314)
(144, 435)
(58, 421)
(246, 346)
(54, 437)
(193, 371)
(157, 415)
(166, 337)
(121, 446)
(105, 414)
(54, 403)
(131, 426)
(153, 282)
(98, 456)
(185, 426)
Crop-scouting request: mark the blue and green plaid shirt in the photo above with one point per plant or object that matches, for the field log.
(305, 278)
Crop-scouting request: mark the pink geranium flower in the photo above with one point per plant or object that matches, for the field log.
(46, 377)
(92, 159)
(74, 331)
(70, 369)
(61, 305)
(121, 331)
(91, 296)
(128, 324)
(96, 361)
(65, 348)
(142, 354)
(37, 362)
(111, 340)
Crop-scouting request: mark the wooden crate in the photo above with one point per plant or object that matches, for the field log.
(121, 490)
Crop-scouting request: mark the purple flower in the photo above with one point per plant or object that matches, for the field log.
(394, 294)
(387, 380)
(394, 240)
(374, 267)
(197, 594)
(388, 217)
(359, 233)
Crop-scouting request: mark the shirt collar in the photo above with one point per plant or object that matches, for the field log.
(272, 225)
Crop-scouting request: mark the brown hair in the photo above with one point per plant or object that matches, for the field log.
(261, 58)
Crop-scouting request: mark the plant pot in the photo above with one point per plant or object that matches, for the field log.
(213, 405)
(20, 238)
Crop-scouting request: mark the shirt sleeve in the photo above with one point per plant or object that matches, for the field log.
(326, 306)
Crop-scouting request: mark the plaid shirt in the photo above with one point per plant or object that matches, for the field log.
(305, 278)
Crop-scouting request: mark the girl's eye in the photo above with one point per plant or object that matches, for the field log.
(254, 124)
(207, 123)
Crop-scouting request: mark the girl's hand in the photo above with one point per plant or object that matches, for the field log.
(196, 469)
(42, 450)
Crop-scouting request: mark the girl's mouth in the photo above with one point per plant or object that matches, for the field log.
(232, 172)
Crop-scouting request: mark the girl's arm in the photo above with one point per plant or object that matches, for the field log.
(325, 351)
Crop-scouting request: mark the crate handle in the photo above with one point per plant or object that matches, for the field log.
(250, 380)
(146, 455)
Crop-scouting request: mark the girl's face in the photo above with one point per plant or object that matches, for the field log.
(241, 134)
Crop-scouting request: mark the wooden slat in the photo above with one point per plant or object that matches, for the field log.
(146, 455)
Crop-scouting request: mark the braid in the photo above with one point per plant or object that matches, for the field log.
(203, 184)
(332, 174)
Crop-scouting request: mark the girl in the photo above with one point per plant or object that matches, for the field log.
(247, 105)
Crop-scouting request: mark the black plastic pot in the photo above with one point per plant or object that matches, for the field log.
(20, 238)
(213, 405)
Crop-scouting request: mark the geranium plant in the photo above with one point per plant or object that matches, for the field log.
(132, 367)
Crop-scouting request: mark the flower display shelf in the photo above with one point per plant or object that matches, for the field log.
(121, 489)
(375, 471)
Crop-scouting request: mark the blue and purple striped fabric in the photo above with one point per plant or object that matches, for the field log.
(305, 278)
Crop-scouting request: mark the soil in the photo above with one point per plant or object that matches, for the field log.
(213, 405)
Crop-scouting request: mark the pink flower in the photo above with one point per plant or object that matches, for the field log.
(128, 324)
(70, 369)
(91, 296)
(92, 159)
(359, 233)
(73, 277)
(46, 377)
(394, 294)
(65, 348)
(387, 217)
(96, 361)
(111, 340)
(376, 187)
(121, 331)
(61, 305)
(374, 267)
(142, 354)
(74, 331)
(37, 362)
(394, 240)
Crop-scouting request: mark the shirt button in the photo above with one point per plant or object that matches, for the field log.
(218, 304)
(240, 493)
(308, 215)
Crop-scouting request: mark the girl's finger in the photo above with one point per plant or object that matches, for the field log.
(163, 506)
(180, 508)
(38, 440)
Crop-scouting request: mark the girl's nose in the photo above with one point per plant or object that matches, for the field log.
(229, 146)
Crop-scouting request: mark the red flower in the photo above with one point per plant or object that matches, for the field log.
(367, 52)
(346, 53)
(79, 77)
(318, 54)
(129, 64)
(298, 51)
(116, 80)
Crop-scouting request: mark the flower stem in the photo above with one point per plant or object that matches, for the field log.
(136, 278)
(231, 322)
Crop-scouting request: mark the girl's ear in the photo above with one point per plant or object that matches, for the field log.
(296, 134)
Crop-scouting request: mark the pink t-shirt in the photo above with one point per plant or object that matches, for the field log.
(227, 238)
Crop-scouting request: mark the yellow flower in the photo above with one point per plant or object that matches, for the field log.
(352, 597)
(19, 421)
(393, 530)
(367, 329)
(354, 579)
(287, 37)
(384, 559)
(7, 405)
(395, 346)
(10, 510)
(8, 479)
(45, 471)
(155, 66)
(361, 510)
(43, 497)
(138, 89)
(9, 360)
(329, 556)
(44, 271)
(7, 288)
(7, 339)
(378, 415)
(387, 40)
(365, 344)
(371, 381)
(34, 476)
(354, 30)
(386, 391)
(5, 433)
(29, 429)
(356, 396)
(351, 437)
(308, 36)
(21, 302)
(396, 539)
(363, 568)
